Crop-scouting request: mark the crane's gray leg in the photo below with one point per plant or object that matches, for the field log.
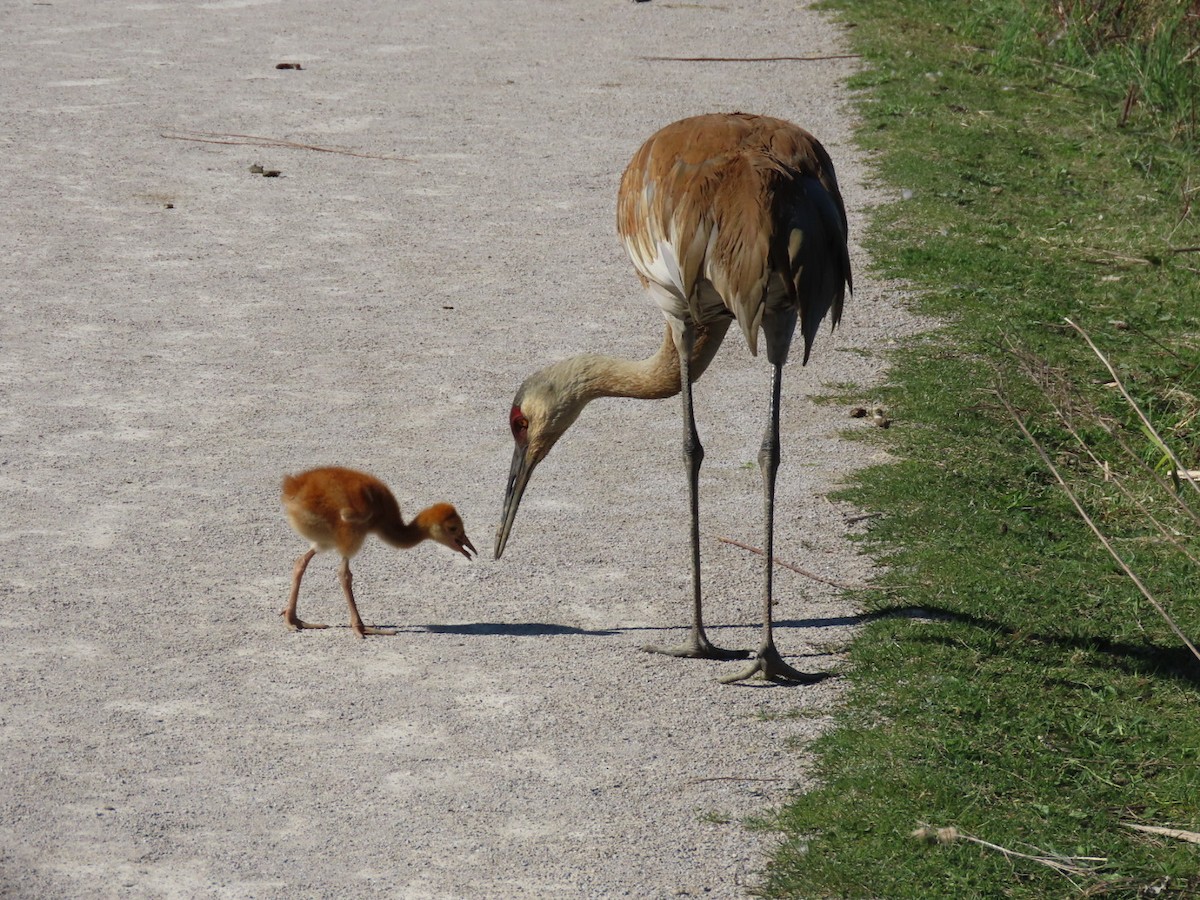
(289, 613)
(698, 645)
(767, 660)
(355, 622)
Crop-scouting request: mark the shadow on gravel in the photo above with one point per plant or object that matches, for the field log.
(514, 629)
(827, 622)
(541, 629)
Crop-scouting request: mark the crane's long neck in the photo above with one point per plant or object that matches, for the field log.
(591, 376)
(391, 527)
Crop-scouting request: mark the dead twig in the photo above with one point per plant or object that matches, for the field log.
(813, 575)
(1095, 529)
(1114, 258)
(1063, 865)
(1192, 837)
(1127, 108)
(748, 58)
(255, 140)
(864, 517)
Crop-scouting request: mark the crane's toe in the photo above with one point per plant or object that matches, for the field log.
(295, 624)
(768, 665)
(698, 647)
(364, 630)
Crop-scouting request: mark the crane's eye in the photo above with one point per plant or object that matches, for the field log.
(519, 424)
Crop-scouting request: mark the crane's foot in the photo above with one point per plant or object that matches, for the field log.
(363, 630)
(295, 624)
(699, 647)
(768, 665)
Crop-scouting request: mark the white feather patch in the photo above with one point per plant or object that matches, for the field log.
(664, 268)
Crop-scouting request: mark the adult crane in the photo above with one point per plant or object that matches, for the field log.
(725, 217)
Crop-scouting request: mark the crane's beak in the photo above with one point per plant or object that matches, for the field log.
(465, 547)
(518, 477)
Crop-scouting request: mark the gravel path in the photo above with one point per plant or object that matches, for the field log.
(178, 332)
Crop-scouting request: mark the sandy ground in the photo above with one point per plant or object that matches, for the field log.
(178, 332)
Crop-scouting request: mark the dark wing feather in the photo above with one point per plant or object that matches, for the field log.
(820, 262)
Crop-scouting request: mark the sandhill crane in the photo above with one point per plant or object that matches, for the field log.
(725, 216)
(337, 508)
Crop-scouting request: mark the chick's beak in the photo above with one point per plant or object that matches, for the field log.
(465, 547)
(518, 477)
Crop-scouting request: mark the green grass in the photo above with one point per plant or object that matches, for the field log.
(1052, 160)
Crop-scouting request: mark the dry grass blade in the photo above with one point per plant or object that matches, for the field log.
(1192, 837)
(1079, 866)
(1095, 529)
(1119, 482)
(1162, 482)
(1179, 467)
(1058, 395)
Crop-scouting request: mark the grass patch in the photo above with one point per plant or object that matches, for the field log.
(1050, 152)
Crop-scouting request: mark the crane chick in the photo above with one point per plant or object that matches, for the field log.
(336, 508)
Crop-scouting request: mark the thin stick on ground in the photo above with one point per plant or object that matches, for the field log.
(748, 58)
(1063, 865)
(254, 140)
(1095, 529)
(799, 571)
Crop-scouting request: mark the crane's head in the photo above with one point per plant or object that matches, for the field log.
(446, 527)
(543, 409)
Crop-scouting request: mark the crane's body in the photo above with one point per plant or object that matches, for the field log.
(737, 216)
(336, 508)
(726, 217)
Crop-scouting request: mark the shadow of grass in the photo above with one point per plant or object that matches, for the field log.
(1144, 659)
